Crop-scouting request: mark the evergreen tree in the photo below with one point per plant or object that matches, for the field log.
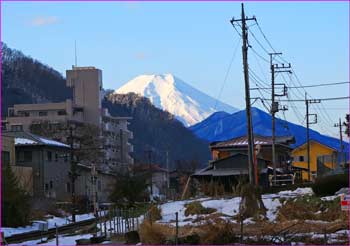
(129, 189)
(15, 201)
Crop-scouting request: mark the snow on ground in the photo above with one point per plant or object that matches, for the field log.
(225, 206)
(228, 207)
(330, 198)
(298, 192)
(272, 206)
(62, 240)
(52, 222)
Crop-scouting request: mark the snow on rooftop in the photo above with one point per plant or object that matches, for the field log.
(24, 141)
(38, 140)
(52, 142)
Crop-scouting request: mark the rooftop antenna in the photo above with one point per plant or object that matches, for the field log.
(75, 52)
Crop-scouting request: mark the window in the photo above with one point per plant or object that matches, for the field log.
(42, 113)
(23, 113)
(301, 158)
(49, 155)
(11, 112)
(61, 112)
(25, 156)
(51, 184)
(99, 185)
(5, 157)
(68, 187)
(16, 128)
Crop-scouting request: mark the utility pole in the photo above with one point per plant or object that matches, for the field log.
(167, 168)
(275, 68)
(308, 123)
(94, 195)
(341, 140)
(149, 155)
(121, 149)
(73, 171)
(247, 94)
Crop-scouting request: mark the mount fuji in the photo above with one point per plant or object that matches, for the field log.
(171, 94)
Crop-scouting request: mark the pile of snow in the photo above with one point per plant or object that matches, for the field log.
(171, 94)
(298, 192)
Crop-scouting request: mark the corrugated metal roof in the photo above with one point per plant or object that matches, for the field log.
(221, 172)
(258, 140)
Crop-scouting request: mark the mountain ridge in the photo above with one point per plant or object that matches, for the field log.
(226, 126)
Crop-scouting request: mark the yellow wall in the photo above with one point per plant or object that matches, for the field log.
(316, 150)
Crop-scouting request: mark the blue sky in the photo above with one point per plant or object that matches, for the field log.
(194, 41)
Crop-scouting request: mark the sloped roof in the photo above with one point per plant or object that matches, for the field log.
(258, 140)
(221, 172)
(319, 142)
(27, 139)
(148, 167)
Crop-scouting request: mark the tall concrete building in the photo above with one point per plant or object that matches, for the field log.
(84, 108)
(86, 83)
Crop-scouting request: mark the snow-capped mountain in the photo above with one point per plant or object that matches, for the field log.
(170, 93)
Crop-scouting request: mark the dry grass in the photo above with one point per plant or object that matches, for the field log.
(311, 208)
(218, 232)
(196, 207)
(154, 233)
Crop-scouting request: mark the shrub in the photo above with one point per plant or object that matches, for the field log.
(155, 213)
(197, 208)
(129, 189)
(328, 185)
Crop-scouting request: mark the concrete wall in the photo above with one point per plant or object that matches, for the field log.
(50, 178)
(26, 114)
(24, 176)
(8, 146)
(104, 185)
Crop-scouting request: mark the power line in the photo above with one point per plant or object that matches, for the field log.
(260, 56)
(299, 100)
(267, 52)
(227, 73)
(267, 41)
(325, 108)
(251, 71)
(309, 86)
